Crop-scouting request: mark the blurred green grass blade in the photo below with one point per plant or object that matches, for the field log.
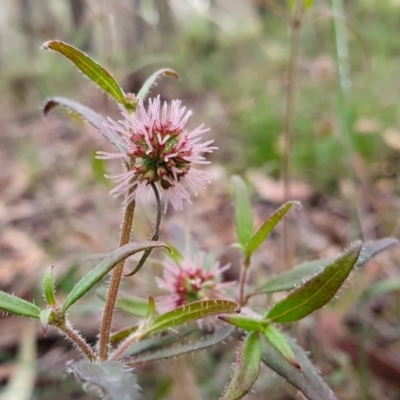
(384, 286)
(291, 279)
(101, 270)
(245, 369)
(307, 380)
(317, 291)
(145, 89)
(16, 305)
(243, 211)
(133, 305)
(99, 170)
(265, 229)
(89, 67)
(89, 115)
(22, 380)
(111, 376)
(191, 312)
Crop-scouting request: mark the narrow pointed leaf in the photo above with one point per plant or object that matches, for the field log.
(89, 67)
(381, 287)
(246, 368)
(191, 312)
(279, 343)
(316, 292)
(15, 305)
(89, 115)
(133, 305)
(242, 321)
(307, 380)
(111, 376)
(296, 276)
(243, 211)
(144, 91)
(102, 269)
(48, 287)
(189, 346)
(265, 229)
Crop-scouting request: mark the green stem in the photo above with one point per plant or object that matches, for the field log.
(343, 88)
(294, 29)
(114, 284)
(242, 281)
(156, 233)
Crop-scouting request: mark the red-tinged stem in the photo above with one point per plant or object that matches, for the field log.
(114, 285)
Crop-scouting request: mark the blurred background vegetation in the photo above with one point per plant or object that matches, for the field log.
(233, 57)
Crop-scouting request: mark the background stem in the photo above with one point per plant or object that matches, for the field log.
(294, 32)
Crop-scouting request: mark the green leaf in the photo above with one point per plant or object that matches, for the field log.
(133, 305)
(279, 343)
(45, 317)
(160, 340)
(15, 305)
(243, 211)
(111, 376)
(101, 270)
(89, 115)
(307, 380)
(89, 67)
(246, 368)
(174, 350)
(123, 333)
(190, 312)
(384, 286)
(48, 287)
(296, 276)
(265, 229)
(144, 91)
(316, 292)
(242, 321)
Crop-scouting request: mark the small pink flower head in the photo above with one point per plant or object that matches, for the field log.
(160, 151)
(190, 281)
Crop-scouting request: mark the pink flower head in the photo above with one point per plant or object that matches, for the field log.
(190, 281)
(160, 151)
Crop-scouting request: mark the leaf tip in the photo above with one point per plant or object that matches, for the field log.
(48, 46)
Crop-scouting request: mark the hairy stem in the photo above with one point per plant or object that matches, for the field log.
(77, 340)
(114, 284)
(156, 233)
(294, 31)
(126, 344)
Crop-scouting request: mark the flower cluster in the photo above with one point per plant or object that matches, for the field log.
(160, 151)
(190, 281)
